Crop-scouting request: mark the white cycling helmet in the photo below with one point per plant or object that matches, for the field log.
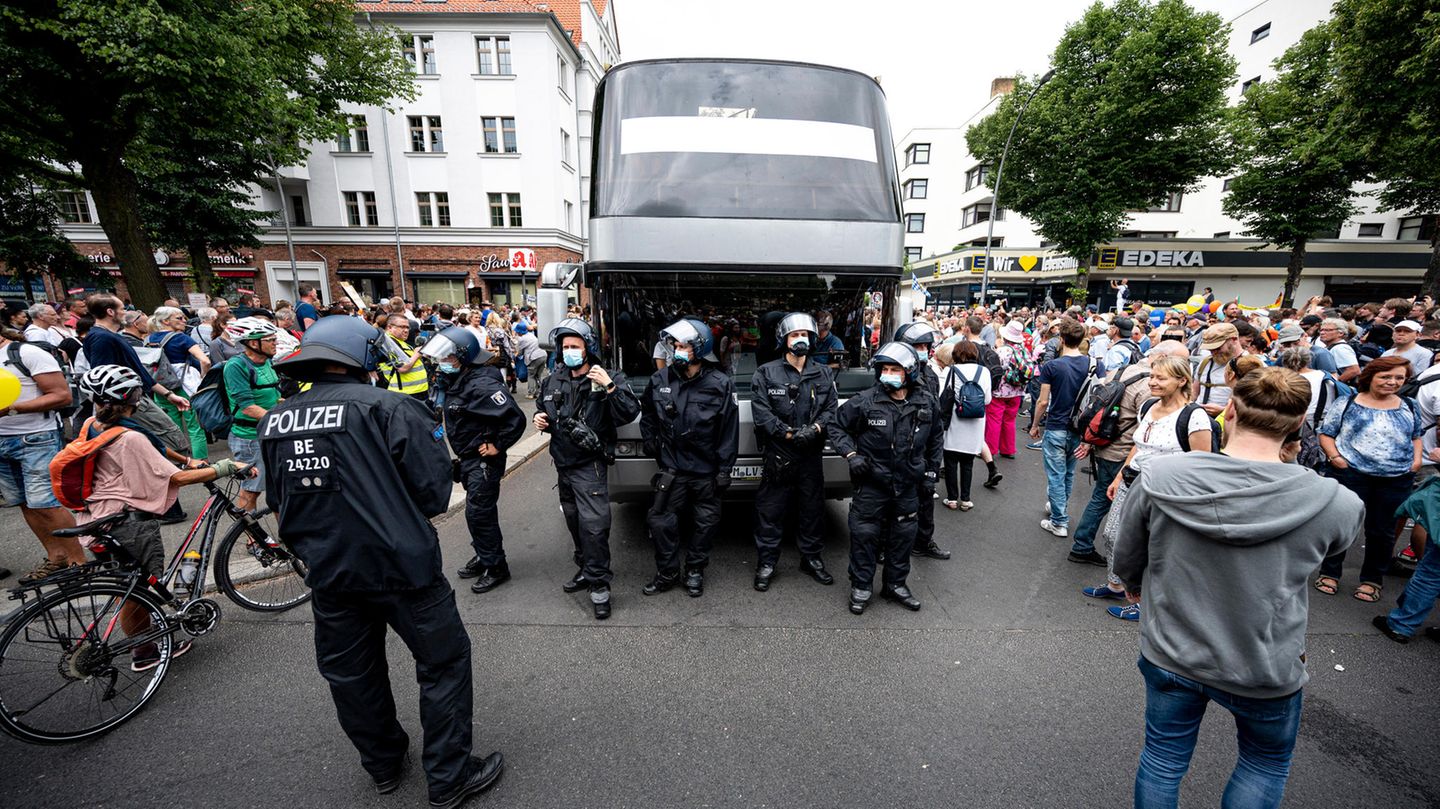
(112, 384)
(252, 328)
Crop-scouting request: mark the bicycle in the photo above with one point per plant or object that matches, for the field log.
(65, 672)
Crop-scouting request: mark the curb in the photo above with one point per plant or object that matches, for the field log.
(523, 451)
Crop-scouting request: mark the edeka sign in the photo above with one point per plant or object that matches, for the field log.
(1112, 257)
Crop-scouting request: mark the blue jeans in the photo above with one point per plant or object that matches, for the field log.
(1264, 728)
(25, 469)
(1059, 447)
(1097, 508)
(1420, 592)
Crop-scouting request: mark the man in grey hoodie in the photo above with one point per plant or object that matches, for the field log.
(1224, 546)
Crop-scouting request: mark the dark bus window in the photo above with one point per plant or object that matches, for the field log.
(741, 309)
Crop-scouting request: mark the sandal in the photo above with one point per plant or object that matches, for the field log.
(1367, 592)
(1329, 585)
(952, 504)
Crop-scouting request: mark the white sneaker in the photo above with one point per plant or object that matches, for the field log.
(966, 505)
(1045, 509)
(1057, 530)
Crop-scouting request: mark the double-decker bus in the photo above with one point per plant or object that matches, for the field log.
(736, 191)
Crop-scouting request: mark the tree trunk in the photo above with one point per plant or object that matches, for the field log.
(200, 266)
(1431, 285)
(1292, 272)
(117, 201)
(24, 277)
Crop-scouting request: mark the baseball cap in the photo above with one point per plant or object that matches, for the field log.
(1125, 325)
(1290, 334)
(1216, 335)
(1407, 324)
(1310, 320)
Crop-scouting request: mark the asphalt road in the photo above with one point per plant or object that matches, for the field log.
(1009, 689)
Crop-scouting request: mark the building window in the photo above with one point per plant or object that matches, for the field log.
(494, 56)
(1225, 186)
(917, 189)
(1170, 204)
(1417, 228)
(360, 209)
(914, 223)
(426, 133)
(355, 137)
(564, 146)
(500, 205)
(434, 208)
(74, 207)
(917, 154)
(297, 211)
(1260, 33)
(976, 177)
(1371, 230)
(499, 132)
(419, 50)
(1244, 88)
(998, 241)
(980, 212)
(1148, 234)
(912, 254)
(1224, 234)
(570, 216)
(562, 74)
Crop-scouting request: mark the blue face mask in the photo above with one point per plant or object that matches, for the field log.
(682, 356)
(573, 357)
(449, 368)
(892, 381)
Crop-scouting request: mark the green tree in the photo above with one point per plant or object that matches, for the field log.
(1298, 162)
(30, 240)
(1133, 112)
(1387, 54)
(91, 93)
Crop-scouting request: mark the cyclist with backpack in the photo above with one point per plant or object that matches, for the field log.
(253, 387)
(1167, 424)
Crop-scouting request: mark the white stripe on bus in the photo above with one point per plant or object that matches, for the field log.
(770, 136)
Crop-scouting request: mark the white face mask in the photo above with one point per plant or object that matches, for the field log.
(892, 380)
(573, 357)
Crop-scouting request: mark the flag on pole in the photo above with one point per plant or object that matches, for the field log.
(915, 285)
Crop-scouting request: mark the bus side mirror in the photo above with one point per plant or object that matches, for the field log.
(552, 299)
(559, 274)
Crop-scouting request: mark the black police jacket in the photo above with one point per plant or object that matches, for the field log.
(782, 400)
(563, 396)
(479, 410)
(928, 378)
(902, 439)
(691, 425)
(354, 473)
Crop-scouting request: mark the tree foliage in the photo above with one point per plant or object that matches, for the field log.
(94, 93)
(30, 240)
(1387, 55)
(1298, 163)
(1133, 112)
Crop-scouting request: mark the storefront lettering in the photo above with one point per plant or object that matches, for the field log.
(493, 262)
(1162, 258)
(230, 258)
(1060, 263)
(101, 258)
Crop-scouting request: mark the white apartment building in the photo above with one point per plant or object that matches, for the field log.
(946, 201)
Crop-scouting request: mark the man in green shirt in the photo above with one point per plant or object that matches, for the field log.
(253, 388)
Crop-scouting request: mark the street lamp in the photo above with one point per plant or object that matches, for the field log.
(995, 192)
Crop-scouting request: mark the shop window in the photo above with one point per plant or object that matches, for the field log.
(440, 290)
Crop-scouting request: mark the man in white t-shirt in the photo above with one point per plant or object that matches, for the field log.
(29, 438)
(1334, 332)
(45, 326)
(1122, 294)
(1405, 333)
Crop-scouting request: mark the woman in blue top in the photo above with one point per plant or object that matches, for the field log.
(167, 329)
(1372, 442)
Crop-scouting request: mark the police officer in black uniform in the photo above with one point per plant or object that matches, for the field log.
(891, 435)
(690, 422)
(354, 474)
(580, 405)
(921, 337)
(793, 403)
(483, 421)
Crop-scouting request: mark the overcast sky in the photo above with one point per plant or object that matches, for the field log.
(935, 58)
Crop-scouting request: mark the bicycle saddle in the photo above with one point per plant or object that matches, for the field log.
(94, 528)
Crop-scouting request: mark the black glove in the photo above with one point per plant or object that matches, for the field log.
(722, 481)
(859, 468)
(928, 482)
(455, 474)
(651, 448)
(806, 436)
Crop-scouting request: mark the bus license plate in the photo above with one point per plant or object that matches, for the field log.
(745, 472)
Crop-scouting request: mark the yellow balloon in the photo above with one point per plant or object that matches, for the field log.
(9, 388)
(1195, 302)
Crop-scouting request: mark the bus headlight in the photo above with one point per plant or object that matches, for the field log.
(626, 449)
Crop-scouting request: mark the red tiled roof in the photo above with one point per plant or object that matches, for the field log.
(566, 11)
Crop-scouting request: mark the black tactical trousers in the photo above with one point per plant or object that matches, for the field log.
(350, 652)
(789, 489)
(481, 479)
(880, 521)
(687, 495)
(585, 502)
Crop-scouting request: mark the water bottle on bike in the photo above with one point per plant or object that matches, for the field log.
(189, 567)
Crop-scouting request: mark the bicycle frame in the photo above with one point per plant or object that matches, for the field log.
(205, 525)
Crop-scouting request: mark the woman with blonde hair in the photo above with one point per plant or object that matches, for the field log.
(1158, 432)
(191, 362)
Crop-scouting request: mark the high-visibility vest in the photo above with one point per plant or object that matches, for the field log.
(412, 381)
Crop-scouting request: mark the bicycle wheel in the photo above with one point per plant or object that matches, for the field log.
(60, 681)
(256, 570)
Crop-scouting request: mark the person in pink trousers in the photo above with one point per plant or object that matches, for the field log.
(1016, 370)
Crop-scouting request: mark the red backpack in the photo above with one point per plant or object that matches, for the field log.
(72, 471)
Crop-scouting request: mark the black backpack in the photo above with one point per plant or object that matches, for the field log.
(1086, 401)
(12, 355)
(1410, 389)
(1182, 434)
(1104, 426)
(1134, 352)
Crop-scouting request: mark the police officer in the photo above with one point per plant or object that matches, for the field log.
(921, 337)
(483, 421)
(580, 405)
(793, 403)
(355, 473)
(891, 437)
(690, 423)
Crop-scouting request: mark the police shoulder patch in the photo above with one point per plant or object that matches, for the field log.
(498, 397)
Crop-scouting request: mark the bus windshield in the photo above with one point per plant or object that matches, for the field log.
(742, 311)
(748, 140)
